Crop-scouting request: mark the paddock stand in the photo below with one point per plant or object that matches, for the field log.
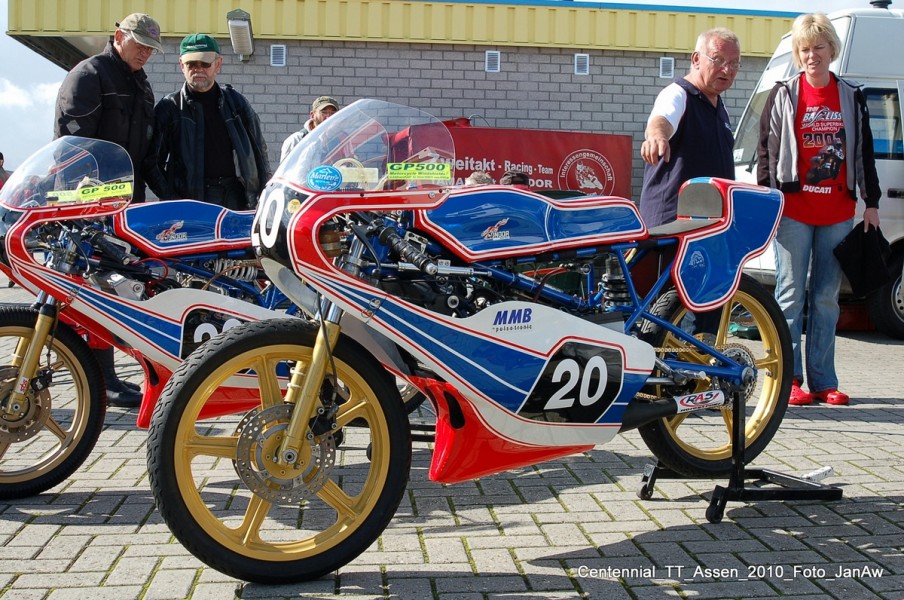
(789, 486)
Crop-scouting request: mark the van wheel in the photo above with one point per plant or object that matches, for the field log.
(886, 305)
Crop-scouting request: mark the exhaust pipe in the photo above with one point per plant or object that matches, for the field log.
(641, 412)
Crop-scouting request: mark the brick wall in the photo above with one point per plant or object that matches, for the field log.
(536, 88)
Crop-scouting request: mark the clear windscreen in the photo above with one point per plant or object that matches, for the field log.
(70, 170)
(372, 145)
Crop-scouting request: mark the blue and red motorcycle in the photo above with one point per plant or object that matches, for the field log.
(538, 328)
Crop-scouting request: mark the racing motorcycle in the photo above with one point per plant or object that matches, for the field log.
(155, 280)
(538, 328)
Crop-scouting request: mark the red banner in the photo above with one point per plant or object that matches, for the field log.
(593, 163)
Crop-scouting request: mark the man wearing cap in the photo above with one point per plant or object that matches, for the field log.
(208, 139)
(108, 96)
(321, 109)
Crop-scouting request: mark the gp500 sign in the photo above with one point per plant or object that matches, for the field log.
(420, 171)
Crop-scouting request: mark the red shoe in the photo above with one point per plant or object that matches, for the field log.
(798, 396)
(833, 397)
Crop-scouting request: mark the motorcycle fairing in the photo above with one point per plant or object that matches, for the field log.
(457, 434)
(501, 221)
(495, 370)
(179, 227)
(506, 371)
(707, 266)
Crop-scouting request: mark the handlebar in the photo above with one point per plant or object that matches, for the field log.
(99, 241)
(407, 251)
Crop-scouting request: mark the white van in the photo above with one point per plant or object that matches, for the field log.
(872, 54)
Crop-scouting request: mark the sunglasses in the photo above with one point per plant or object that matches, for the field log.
(197, 63)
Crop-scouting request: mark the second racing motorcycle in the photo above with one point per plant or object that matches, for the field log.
(538, 328)
(155, 280)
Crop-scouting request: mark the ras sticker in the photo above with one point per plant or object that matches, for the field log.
(708, 399)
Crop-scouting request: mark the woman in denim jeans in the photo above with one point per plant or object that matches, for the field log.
(815, 146)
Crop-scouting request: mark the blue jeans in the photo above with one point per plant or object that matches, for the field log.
(799, 247)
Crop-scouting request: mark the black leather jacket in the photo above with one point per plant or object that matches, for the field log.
(179, 145)
(102, 98)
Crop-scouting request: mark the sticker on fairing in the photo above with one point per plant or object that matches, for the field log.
(420, 171)
(324, 179)
(707, 399)
(92, 193)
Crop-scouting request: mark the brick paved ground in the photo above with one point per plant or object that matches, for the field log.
(560, 530)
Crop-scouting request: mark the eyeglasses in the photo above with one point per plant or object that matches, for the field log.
(197, 63)
(141, 47)
(719, 63)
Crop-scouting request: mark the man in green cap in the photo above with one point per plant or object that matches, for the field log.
(208, 139)
(108, 97)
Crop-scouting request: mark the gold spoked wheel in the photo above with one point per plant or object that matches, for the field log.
(48, 435)
(231, 504)
(751, 330)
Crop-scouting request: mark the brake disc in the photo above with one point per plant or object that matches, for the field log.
(260, 434)
(27, 418)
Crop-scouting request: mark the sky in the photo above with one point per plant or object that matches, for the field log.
(29, 83)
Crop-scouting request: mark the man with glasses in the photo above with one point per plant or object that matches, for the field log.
(689, 135)
(688, 132)
(208, 140)
(108, 97)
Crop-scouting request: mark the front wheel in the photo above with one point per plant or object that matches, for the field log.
(753, 331)
(47, 436)
(231, 504)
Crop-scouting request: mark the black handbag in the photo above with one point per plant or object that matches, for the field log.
(864, 258)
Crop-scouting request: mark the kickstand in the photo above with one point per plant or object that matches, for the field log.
(789, 486)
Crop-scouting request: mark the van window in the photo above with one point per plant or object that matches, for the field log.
(747, 135)
(885, 123)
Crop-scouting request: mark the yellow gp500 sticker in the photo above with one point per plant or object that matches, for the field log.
(92, 193)
(420, 171)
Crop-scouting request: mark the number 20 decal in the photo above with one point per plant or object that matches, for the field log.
(589, 383)
(578, 384)
(265, 227)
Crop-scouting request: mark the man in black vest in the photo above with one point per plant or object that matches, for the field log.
(688, 132)
(208, 139)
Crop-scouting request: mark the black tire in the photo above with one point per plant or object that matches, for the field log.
(886, 305)
(52, 435)
(412, 398)
(699, 444)
(203, 495)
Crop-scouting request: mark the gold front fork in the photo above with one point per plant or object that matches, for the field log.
(28, 356)
(304, 391)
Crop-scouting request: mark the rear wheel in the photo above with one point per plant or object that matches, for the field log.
(752, 330)
(44, 439)
(235, 508)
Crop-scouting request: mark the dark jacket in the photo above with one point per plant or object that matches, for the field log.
(102, 98)
(777, 153)
(179, 145)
